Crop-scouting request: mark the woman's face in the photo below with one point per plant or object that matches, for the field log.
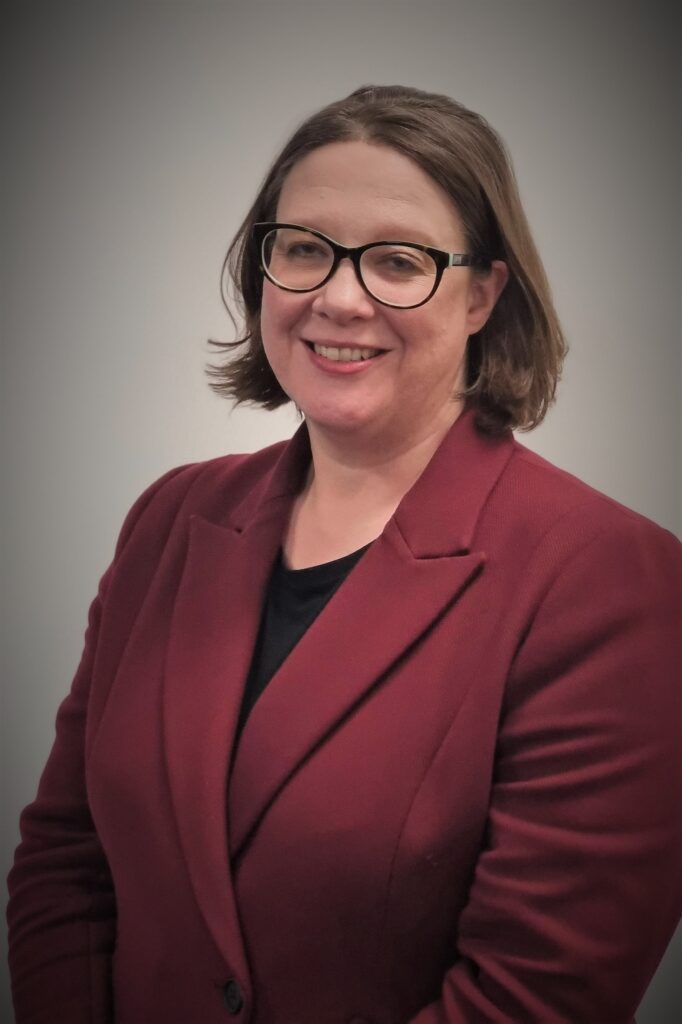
(357, 192)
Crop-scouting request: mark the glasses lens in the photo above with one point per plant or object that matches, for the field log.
(296, 259)
(399, 275)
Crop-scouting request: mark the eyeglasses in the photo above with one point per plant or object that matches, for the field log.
(399, 274)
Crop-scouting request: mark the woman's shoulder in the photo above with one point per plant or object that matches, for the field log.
(543, 518)
(581, 566)
(551, 497)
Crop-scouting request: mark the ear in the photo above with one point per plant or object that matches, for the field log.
(484, 290)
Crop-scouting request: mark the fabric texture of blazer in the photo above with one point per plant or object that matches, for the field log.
(459, 800)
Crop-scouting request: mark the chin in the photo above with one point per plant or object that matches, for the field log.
(344, 420)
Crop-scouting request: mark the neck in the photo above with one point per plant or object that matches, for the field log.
(352, 491)
(342, 468)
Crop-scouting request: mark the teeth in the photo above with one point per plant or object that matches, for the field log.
(345, 355)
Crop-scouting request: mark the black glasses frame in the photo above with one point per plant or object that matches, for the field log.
(354, 253)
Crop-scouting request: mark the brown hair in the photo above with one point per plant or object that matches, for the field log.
(514, 361)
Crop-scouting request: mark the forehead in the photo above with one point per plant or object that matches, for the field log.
(356, 191)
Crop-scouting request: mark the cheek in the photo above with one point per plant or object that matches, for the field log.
(437, 357)
(280, 312)
(438, 338)
(269, 315)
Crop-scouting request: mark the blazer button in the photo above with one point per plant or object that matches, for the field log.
(232, 994)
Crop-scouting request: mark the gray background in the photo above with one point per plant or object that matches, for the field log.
(135, 139)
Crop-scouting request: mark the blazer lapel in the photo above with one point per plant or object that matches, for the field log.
(421, 564)
(389, 599)
(213, 630)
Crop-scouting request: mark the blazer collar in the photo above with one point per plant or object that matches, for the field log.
(453, 488)
(273, 497)
(439, 514)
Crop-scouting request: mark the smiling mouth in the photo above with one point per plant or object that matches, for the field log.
(344, 354)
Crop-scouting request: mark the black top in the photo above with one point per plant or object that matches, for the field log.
(294, 599)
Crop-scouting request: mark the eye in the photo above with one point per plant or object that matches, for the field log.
(392, 261)
(303, 251)
(297, 248)
(400, 263)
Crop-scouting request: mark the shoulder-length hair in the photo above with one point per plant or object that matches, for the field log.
(514, 362)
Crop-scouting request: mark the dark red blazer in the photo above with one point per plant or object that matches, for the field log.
(458, 800)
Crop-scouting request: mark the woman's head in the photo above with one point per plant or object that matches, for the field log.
(513, 361)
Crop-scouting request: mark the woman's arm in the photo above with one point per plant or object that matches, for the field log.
(578, 888)
(62, 907)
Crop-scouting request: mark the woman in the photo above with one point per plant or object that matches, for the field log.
(379, 724)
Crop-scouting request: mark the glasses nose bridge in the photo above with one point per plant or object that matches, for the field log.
(351, 253)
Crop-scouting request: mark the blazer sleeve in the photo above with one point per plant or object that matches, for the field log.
(578, 888)
(62, 907)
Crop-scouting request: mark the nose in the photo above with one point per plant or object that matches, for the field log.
(343, 297)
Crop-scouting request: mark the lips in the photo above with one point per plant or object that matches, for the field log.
(339, 353)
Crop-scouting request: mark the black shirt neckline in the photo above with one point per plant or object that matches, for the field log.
(317, 575)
